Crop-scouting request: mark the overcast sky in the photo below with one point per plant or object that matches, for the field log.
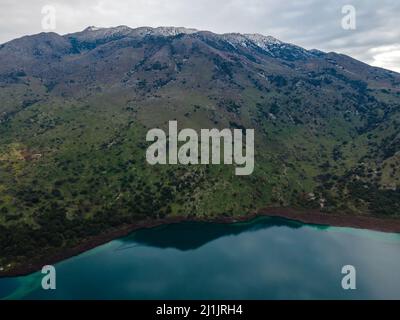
(308, 23)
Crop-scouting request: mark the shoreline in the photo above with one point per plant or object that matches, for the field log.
(313, 216)
(307, 216)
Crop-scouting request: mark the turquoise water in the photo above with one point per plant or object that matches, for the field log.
(267, 258)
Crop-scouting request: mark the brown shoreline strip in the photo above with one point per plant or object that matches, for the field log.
(304, 216)
(337, 220)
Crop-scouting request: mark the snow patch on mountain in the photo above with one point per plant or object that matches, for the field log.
(173, 31)
(268, 44)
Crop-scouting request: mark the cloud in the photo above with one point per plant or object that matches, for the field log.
(386, 57)
(308, 23)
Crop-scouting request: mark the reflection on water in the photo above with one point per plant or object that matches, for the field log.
(267, 258)
(193, 235)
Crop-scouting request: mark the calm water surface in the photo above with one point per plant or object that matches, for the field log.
(267, 258)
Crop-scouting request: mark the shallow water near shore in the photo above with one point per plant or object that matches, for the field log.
(265, 258)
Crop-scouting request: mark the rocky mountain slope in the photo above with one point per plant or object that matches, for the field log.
(75, 110)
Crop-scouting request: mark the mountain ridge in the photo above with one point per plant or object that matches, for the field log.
(170, 31)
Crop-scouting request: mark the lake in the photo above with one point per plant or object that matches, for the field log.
(266, 258)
